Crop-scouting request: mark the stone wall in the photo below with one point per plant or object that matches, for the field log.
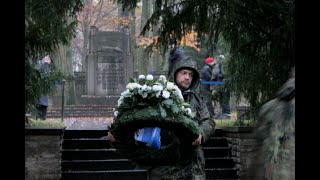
(43, 154)
(243, 149)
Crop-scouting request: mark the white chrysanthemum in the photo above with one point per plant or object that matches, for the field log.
(149, 77)
(115, 113)
(132, 86)
(162, 78)
(120, 101)
(165, 94)
(170, 86)
(144, 88)
(126, 93)
(154, 89)
(143, 91)
(142, 76)
(158, 94)
(178, 92)
(157, 88)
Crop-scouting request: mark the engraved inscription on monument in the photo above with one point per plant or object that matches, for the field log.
(110, 77)
(110, 65)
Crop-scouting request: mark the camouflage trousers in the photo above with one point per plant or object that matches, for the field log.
(193, 169)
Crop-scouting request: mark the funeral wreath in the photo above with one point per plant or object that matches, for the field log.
(153, 102)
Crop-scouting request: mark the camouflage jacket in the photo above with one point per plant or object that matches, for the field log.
(276, 136)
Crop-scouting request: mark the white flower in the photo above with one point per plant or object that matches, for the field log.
(170, 86)
(132, 86)
(115, 113)
(143, 91)
(162, 78)
(120, 101)
(126, 93)
(142, 76)
(144, 88)
(157, 88)
(149, 77)
(178, 92)
(154, 91)
(166, 94)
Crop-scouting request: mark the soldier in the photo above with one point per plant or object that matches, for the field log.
(186, 77)
(276, 135)
(192, 166)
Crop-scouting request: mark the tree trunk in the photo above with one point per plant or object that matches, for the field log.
(85, 46)
(64, 55)
(143, 61)
(133, 39)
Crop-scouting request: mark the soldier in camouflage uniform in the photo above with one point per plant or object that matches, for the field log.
(186, 77)
(276, 135)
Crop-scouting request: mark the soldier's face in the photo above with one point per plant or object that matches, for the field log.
(184, 78)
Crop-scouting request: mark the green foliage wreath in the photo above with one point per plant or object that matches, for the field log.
(149, 102)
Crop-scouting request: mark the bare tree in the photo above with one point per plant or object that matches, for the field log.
(102, 14)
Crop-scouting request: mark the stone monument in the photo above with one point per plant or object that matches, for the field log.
(110, 64)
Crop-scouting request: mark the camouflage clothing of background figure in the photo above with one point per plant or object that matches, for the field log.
(276, 133)
(187, 79)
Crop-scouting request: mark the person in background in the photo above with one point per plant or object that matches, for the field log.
(45, 65)
(222, 93)
(275, 132)
(205, 89)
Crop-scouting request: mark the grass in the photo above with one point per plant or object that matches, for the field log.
(228, 122)
(42, 123)
(224, 122)
(234, 122)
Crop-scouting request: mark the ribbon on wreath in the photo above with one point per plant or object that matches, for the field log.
(151, 136)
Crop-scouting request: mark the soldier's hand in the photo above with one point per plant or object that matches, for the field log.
(197, 142)
(110, 137)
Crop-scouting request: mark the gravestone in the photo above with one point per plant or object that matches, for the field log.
(110, 64)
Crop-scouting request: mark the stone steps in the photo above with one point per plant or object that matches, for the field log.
(78, 111)
(111, 175)
(86, 154)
